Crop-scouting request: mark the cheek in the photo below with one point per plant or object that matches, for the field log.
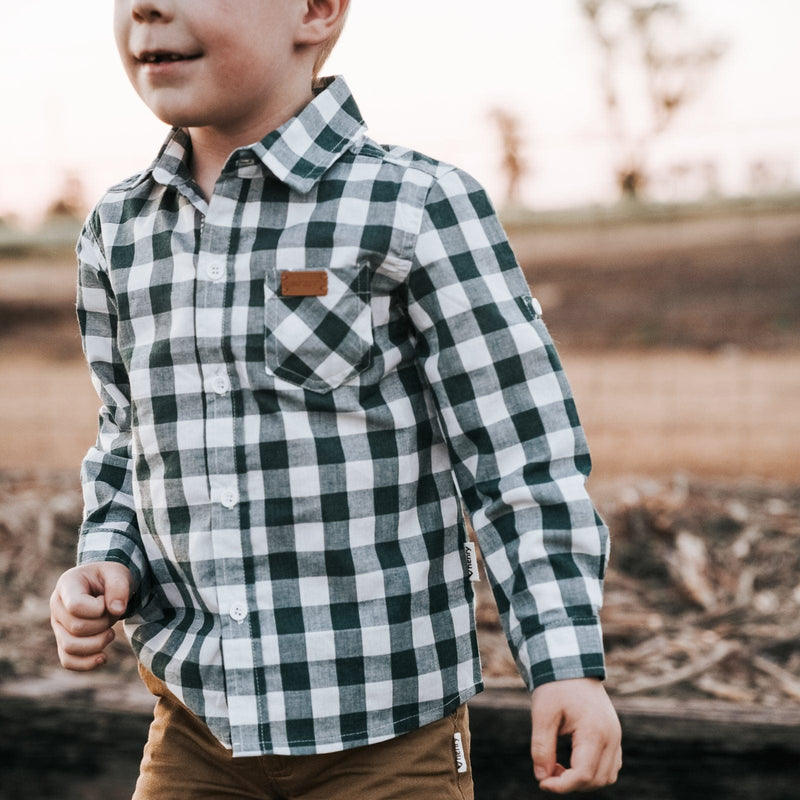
(122, 21)
(244, 73)
(122, 38)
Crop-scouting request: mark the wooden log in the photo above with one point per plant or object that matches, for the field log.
(69, 749)
(82, 745)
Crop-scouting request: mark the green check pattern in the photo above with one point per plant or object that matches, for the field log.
(286, 476)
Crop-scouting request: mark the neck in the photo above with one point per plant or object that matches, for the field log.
(213, 145)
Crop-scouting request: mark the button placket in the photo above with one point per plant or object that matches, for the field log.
(213, 315)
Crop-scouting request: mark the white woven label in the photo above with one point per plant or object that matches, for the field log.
(472, 561)
(461, 761)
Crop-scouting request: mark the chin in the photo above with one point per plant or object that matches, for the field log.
(175, 114)
(178, 119)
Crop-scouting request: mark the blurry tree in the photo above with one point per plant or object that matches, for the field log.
(645, 52)
(512, 162)
(70, 202)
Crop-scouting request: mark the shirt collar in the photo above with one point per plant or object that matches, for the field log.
(298, 153)
(304, 148)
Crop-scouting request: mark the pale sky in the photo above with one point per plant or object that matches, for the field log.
(425, 74)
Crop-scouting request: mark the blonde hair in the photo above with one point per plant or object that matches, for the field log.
(328, 45)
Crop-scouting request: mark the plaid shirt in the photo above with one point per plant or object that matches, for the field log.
(302, 381)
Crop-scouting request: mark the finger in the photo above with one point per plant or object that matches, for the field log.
(579, 778)
(568, 781)
(609, 760)
(78, 626)
(83, 646)
(572, 780)
(78, 596)
(592, 766)
(81, 663)
(116, 589)
(82, 655)
(608, 771)
(544, 735)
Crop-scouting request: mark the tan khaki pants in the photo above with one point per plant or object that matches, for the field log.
(183, 761)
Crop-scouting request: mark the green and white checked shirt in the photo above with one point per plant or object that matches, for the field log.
(282, 459)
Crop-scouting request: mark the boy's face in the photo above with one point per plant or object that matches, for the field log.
(223, 64)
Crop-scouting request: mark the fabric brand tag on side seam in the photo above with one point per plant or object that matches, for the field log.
(472, 561)
(461, 761)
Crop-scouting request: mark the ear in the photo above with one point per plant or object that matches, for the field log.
(321, 19)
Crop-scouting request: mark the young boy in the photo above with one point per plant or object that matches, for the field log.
(311, 350)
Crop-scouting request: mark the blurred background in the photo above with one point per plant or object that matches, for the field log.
(643, 157)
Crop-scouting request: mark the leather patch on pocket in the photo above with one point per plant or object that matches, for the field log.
(304, 283)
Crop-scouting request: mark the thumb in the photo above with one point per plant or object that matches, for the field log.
(116, 588)
(544, 735)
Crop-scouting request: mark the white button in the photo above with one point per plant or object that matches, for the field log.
(229, 497)
(238, 612)
(221, 384)
(536, 306)
(215, 271)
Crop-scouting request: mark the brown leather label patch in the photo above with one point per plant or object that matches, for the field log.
(304, 283)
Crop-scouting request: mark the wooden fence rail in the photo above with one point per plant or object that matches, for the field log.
(73, 748)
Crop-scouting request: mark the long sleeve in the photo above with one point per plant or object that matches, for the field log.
(519, 453)
(109, 531)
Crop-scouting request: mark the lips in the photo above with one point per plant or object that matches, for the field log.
(164, 57)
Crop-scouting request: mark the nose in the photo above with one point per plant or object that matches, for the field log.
(151, 10)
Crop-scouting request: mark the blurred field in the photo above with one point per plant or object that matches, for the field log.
(681, 338)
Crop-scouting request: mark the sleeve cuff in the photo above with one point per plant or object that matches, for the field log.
(572, 649)
(99, 545)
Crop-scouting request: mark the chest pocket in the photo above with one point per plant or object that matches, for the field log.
(320, 341)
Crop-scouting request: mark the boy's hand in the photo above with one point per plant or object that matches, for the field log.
(84, 606)
(581, 709)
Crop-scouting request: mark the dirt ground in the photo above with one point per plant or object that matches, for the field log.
(682, 345)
